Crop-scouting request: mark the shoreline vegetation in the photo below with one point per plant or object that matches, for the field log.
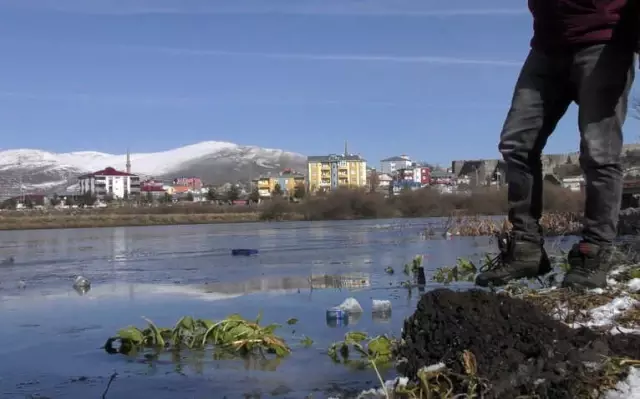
(467, 214)
(456, 344)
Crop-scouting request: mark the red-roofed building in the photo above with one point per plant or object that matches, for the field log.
(110, 182)
(154, 188)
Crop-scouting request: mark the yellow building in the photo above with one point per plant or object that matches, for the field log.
(287, 180)
(329, 172)
(265, 185)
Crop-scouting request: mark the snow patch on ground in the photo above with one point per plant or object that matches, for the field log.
(607, 314)
(627, 389)
(634, 285)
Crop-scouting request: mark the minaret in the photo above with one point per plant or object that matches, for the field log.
(346, 152)
(128, 161)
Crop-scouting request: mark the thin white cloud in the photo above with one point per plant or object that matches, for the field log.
(291, 56)
(402, 59)
(190, 102)
(403, 8)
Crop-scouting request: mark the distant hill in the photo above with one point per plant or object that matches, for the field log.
(215, 162)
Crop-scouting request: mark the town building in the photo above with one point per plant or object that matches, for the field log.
(110, 182)
(421, 175)
(393, 164)
(442, 178)
(328, 172)
(179, 190)
(153, 188)
(573, 183)
(398, 186)
(480, 172)
(287, 180)
(384, 180)
(194, 183)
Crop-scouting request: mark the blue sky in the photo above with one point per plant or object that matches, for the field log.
(431, 79)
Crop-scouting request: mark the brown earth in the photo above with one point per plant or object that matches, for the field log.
(519, 350)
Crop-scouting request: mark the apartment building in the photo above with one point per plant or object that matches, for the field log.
(110, 182)
(287, 180)
(328, 172)
(393, 164)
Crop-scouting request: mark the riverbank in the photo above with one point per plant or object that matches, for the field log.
(554, 224)
(95, 220)
(561, 207)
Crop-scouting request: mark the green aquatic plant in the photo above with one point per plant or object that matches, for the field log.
(370, 350)
(410, 269)
(373, 352)
(306, 341)
(416, 263)
(464, 270)
(561, 261)
(440, 382)
(234, 334)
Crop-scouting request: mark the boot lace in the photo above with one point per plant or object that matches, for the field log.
(505, 254)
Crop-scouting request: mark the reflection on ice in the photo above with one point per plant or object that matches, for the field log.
(119, 290)
(206, 292)
(291, 284)
(349, 281)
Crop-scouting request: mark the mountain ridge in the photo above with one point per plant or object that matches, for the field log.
(216, 162)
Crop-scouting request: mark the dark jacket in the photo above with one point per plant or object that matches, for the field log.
(562, 24)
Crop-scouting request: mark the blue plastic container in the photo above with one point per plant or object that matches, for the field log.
(337, 317)
(336, 314)
(244, 252)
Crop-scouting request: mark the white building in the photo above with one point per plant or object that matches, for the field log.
(384, 180)
(393, 164)
(110, 182)
(573, 183)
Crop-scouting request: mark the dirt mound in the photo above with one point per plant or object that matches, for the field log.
(519, 350)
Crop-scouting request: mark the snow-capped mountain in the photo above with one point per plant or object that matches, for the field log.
(215, 162)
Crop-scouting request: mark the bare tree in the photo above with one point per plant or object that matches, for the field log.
(374, 181)
(300, 191)
(277, 190)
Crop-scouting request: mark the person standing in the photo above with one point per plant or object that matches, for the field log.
(582, 51)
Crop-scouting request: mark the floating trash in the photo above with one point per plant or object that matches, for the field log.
(349, 311)
(82, 290)
(9, 261)
(350, 305)
(81, 282)
(381, 306)
(381, 311)
(337, 317)
(244, 252)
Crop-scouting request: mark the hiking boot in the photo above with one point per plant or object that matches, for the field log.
(589, 265)
(516, 260)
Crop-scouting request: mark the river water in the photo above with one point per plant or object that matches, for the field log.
(51, 336)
